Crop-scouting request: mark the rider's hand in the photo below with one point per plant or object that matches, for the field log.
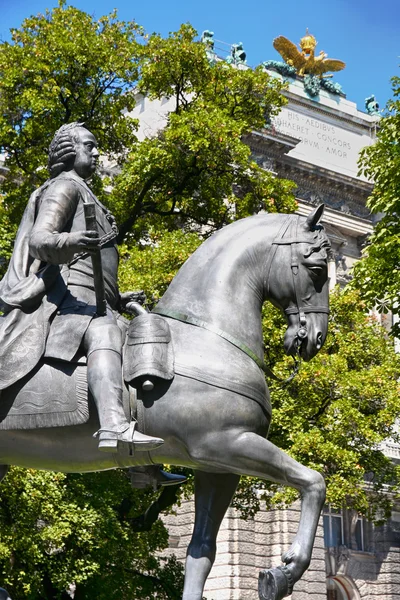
(82, 241)
(137, 296)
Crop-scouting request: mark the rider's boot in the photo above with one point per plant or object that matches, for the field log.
(105, 384)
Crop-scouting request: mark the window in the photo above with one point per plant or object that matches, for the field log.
(346, 529)
(359, 535)
(333, 527)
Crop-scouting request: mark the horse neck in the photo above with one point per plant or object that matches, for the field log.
(223, 281)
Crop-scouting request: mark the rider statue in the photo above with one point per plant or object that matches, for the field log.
(48, 294)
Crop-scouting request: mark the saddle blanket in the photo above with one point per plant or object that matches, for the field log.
(52, 395)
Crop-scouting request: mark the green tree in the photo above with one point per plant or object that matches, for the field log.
(336, 414)
(377, 275)
(60, 67)
(198, 170)
(59, 530)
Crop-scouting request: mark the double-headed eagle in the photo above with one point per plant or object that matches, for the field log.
(305, 61)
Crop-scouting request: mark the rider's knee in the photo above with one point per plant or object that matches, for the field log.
(103, 335)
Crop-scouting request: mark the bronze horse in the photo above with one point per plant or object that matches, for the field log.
(215, 413)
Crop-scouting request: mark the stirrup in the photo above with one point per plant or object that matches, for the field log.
(109, 439)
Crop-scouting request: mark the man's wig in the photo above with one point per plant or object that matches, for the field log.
(62, 148)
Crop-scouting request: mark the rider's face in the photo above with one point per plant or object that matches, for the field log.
(86, 153)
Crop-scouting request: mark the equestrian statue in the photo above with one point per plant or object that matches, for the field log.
(182, 385)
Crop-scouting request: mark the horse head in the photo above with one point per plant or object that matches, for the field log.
(298, 282)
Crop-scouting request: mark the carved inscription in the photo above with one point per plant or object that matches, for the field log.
(314, 133)
(322, 142)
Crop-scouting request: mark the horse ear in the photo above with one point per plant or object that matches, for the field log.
(314, 217)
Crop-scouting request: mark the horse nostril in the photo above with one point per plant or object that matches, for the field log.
(319, 340)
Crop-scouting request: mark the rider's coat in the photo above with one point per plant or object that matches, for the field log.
(48, 294)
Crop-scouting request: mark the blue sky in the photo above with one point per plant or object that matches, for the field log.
(363, 33)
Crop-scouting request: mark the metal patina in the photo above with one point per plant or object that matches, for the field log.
(214, 413)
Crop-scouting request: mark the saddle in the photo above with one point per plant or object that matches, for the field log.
(55, 393)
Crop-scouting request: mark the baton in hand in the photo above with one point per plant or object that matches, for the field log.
(91, 225)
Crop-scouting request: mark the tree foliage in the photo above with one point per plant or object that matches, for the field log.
(65, 66)
(151, 267)
(335, 416)
(60, 530)
(378, 273)
(59, 67)
(198, 168)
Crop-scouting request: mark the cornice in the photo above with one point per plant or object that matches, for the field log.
(314, 186)
(276, 145)
(335, 179)
(270, 141)
(335, 113)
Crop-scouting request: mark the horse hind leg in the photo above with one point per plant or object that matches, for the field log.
(213, 494)
(251, 454)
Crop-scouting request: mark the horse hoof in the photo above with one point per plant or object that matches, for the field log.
(274, 584)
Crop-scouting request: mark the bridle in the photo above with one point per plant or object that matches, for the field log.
(302, 332)
(292, 241)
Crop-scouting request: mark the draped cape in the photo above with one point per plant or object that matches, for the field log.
(29, 295)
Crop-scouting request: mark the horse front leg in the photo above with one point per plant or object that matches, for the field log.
(213, 494)
(251, 454)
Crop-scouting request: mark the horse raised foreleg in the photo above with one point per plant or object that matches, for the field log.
(251, 454)
(213, 494)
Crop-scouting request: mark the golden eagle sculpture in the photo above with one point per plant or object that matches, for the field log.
(305, 61)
